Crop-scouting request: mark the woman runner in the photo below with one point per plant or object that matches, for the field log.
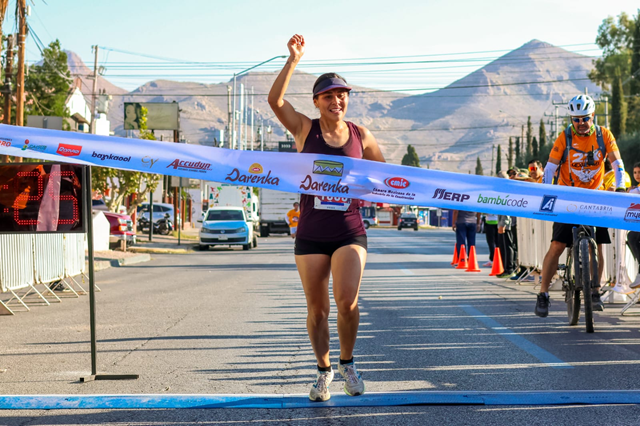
(328, 241)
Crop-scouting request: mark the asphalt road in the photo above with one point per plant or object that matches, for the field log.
(229, 322)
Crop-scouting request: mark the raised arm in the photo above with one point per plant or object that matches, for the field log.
(293, 121)
(370, 146)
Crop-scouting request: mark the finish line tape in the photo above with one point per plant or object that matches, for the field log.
(249, 401)
(339, 178)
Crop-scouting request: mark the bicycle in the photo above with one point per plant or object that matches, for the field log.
(583, 252)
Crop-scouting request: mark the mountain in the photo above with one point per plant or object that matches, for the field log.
(449, 127)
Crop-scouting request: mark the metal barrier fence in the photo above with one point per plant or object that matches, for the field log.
(30, 260)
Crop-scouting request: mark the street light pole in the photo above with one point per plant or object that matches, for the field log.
(233, 116)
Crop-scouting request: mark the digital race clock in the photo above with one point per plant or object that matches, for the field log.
(42, 197)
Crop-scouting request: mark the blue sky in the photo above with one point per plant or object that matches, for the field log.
(233, 35)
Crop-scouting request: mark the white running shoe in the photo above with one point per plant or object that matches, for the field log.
(320, 389)
(353, 383)
(488, 264)
(636, 283)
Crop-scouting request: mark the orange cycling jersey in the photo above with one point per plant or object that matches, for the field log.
(575, 166)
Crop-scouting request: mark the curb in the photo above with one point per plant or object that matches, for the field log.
(98, 265)
(143, 257)
(153, 250)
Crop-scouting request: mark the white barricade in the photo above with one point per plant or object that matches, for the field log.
(74, 258)
(30, 260)
(48, 257)
(16, 261)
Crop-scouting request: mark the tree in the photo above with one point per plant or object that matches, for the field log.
(499, 160)
(517, 159)
(529, 137)
(615, 39)
(633, 104)
(510, 154)
(618, 107)
(47, 83)
(411, 157)
(634, 84)
(534, 148)
(479, 167)
(542, 136)
(124, 183)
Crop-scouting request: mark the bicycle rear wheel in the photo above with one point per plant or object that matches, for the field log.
(585, 277)
(572, 297)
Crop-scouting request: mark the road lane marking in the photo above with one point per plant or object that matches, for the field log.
(407, 272)
(289, 401)
(516, 339)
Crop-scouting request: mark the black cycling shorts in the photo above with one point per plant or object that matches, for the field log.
(302, 247)
(563, 233)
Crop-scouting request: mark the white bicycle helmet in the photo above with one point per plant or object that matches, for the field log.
(581, 105)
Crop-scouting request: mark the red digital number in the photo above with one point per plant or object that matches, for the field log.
(60, 198)
(24, 197)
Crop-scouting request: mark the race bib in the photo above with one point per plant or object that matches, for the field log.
(331, 203)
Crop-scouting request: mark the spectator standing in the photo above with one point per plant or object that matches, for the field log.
(465, 225)
(491, 233)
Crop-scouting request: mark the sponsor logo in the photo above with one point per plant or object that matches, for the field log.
(590, 209)
(503, 201)
(633, 213)
(236, 176)
(548, 203)
(325, 167)
(397, 182)
(337, 188)
(27, 146)
(110, 157)
(256, 168)
(148, 161)
(191, 166)
(69, 150)
(443, 194)
(5, 143)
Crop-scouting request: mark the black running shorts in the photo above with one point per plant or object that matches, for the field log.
(563, 233)
(302, 247)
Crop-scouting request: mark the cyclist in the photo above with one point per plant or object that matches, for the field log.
(580, 163)
(331, 239)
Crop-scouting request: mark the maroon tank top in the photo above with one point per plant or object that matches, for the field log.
(316, 224)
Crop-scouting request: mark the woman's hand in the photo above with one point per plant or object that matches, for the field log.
(296, 47)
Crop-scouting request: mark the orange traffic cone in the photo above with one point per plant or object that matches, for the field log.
(473, 261)
(455, 255)
(497, 268)
(462, 260)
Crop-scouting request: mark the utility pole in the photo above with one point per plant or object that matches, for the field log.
(252, 117)
(176, 204)
(22, 38)
(95, 90)
(493, 148)
(229, 122)
(7, 81)
(6, 90)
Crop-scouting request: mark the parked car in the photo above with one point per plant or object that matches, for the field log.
(408, 220)
(369, 217)
(159, 211)
(227, 226)
(121, 229)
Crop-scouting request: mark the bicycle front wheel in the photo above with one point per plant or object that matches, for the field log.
(585, 276)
